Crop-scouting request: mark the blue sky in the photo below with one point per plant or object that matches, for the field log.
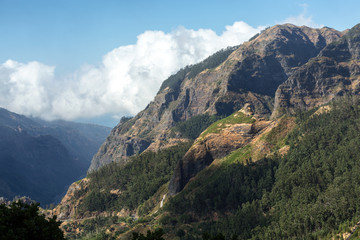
(60, 58)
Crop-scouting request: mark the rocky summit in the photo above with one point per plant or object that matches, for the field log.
(221, 84)
(334, 72)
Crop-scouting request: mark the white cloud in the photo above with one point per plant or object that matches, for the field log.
(303, 19)
(25, 87)
(125, 82)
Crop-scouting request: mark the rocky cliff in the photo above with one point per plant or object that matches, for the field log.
(222, 84)
(334, 72)
(218, 141)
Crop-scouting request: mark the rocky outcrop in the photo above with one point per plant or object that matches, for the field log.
(250, 74)
(227, 137)
(68, 205)
(334, 72)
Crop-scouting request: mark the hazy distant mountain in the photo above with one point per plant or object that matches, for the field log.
(40, 159)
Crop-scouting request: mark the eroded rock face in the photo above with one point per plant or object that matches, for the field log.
(334, 72)
(250, 74)
(213, 146)
(125, 145)
(68, 205)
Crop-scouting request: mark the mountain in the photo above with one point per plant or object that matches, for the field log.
(258, 141)
(81, 140)
(219, 85)
(40, 159)
(334, 72)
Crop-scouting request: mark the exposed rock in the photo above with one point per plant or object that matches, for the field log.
(68, 205)
(334, 72)
(217, 145)
(250, 74)
(214, 146)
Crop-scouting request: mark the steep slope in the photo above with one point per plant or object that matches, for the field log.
(310, 192)
(284, 178)
(40, 159)
(334, 72)
(216, 142)
(249, 73)
(80, 139)
(118, 193)
(38, 167)
(118, 196)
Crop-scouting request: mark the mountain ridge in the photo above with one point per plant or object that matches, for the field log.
(334, 72)
(39, 159)
(274, 55)
(262, 108)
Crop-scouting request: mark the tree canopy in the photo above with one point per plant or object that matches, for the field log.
(22, 221)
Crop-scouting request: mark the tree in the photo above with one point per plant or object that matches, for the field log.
(156, 235)
(23, 221)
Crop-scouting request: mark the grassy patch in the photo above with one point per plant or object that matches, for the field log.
(277, 137)
(194, 126)
(235, 118)
(240, 155)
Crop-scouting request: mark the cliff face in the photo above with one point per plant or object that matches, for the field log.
(219, 140)
(334, 72)
(67, 207)
(250, 74)
(224, 137)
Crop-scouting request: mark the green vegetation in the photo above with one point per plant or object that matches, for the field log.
(118, 186)
(237, 117)
(174, 81)
(95, 228)
(354, 32)
(241, 155)
(278, 135)
(316, 183)
(156, 235)
(126, 124)
(22, 221)
(223, 190)
(211, 62)
(310, 193)
(194, 126)
(258, 34)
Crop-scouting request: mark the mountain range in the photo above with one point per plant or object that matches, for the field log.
(258, 141)
(222, 84)
(39, 159)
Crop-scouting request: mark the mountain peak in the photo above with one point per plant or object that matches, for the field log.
(319, 37)
(220, 85)
(334, 72)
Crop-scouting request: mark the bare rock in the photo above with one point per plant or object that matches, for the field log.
(251, 73)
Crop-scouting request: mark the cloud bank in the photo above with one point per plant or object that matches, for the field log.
(125, 82)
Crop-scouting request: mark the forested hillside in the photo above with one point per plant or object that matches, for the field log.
(310, 193)
(259, 141)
